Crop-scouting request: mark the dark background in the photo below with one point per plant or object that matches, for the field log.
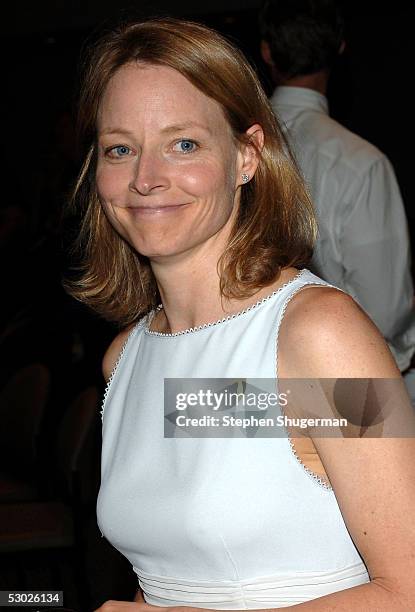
(371, 92)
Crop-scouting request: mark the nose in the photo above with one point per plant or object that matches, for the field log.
(150, 174)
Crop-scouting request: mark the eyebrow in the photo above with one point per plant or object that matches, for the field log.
(180, 127)
(115, 130)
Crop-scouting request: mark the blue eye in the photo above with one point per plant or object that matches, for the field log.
(119, 151)
(122, 150)
(185, 146)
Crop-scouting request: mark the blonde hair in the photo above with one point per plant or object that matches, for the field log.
(275, 227)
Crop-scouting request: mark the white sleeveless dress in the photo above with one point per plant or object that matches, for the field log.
(220, 523)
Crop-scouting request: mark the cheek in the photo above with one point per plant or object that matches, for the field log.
(103, 185)
(112, 216)
(214, 177)
(110, 182)
(206, 180)
(109, 194)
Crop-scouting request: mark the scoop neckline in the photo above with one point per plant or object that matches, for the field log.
(192, 330)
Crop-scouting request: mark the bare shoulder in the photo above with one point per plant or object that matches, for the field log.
(325, 333)
(113, 351)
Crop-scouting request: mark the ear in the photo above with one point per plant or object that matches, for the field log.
(342, 47)
(249, 154)
(266, 53)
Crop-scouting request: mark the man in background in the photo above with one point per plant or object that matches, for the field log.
(363, 244)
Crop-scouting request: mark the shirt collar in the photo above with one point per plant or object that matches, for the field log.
(300, 96)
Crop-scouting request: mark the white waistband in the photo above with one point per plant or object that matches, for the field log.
(262, 592)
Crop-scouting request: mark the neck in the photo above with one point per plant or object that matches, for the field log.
(189, 286)
(317, 81)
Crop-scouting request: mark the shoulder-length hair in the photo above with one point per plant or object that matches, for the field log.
(275, 227)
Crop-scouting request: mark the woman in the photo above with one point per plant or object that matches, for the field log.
(193, 201)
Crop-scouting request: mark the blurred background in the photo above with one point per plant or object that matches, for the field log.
(51, 347)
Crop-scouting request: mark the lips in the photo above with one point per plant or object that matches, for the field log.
(154, 210)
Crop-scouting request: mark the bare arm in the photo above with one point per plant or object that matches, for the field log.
(373, 478)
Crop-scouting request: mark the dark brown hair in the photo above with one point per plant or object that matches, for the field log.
(275, 227)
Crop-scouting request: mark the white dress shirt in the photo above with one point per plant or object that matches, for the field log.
(363, 243)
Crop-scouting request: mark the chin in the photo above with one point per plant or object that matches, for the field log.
(159, 250)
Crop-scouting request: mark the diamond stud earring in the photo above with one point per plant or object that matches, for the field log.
(245, 178)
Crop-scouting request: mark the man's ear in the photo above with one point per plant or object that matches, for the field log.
(342, 47)
(266, 53)
(250, 153)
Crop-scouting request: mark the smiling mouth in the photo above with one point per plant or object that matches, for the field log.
(155, 210)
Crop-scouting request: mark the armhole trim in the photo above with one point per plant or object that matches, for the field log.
(117, 365)
(315, 477)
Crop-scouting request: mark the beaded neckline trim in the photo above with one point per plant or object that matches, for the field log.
(218, 322)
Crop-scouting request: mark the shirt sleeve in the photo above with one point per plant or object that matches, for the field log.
(376, 257)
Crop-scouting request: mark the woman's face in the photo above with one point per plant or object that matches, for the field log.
(168, 171)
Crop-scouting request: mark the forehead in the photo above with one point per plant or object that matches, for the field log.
(148, 95)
